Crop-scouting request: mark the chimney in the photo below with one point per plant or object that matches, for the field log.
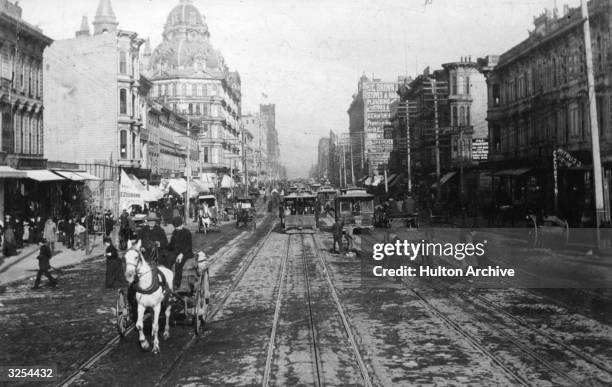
(84, 31)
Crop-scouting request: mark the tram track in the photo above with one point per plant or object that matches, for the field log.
(508, 333)
(114, 342)
(252, 254)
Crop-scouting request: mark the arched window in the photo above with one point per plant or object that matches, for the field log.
(184, 89)
(190, 108)
(122, 62)
(455, 116)
(462, 116)
(122, 101)
(194, 89)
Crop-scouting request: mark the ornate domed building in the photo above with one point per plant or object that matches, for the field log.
(191, 77)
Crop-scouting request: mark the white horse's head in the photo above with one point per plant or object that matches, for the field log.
(133, 259)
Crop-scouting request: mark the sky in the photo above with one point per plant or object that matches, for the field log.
(308, 55)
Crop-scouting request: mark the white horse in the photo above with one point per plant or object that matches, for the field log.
(149, 293)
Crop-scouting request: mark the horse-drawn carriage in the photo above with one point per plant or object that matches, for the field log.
(208, 217)
(548, 231)
(245, 212)
(153, 289)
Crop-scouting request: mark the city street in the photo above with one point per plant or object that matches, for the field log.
(286, 311)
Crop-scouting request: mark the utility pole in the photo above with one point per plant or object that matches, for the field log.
(344, 164)
(408, 148)
(437, 130)
(597, 175)
(352, 164)
(244, 163)
(188, 170)
(461, 160)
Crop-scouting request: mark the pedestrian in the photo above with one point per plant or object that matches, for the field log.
(79, 234)
(18, 232)
(181, 250)
(9, 247)
(50, 234)
(337, 234)
(26, 232)
(109, 223)
(69, 230)
(44, 256)
(114, 267)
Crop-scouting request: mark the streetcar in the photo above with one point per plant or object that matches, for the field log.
(355, 207)
(326, 196)
(245, 212)
(300, 212)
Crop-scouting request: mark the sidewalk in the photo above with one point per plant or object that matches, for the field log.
(25, 263)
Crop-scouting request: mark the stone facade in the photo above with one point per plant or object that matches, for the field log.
(191, 77)
(537, 96)
(96, 98)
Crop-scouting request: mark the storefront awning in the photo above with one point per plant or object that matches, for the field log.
(444, 179)
(70, 175)
(512, 172)
(8, 172)
(88, 176)
(43, 175)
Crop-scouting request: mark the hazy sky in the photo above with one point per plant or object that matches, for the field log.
(307, 55)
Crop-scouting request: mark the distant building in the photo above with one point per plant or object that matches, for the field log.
(256, 144)
(267, 114)
(21, 112)
(368, 113)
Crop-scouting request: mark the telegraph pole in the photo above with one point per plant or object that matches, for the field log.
(188, 170)
(244, 163)
(437, 132)
(352, 164)
(597, 175)
(408, 148)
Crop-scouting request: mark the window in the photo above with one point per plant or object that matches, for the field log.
(190, 108)
(184, 89)
(198, 110)
(122, 62)
(159, 90)
(174, 90)
(123, 144)
(467, 115)
(467, 85)
(455, 117)
(204, 91)
(206, 156)
(453, 89)
(122, 101)
(134, 146)
(460, 85)
(194, 90)
(166, 89)
(573, 121)
(462, 116)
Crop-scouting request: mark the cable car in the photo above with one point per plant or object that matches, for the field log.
(355, 207)
(300, 212)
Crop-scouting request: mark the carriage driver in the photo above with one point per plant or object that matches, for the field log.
(152, 236)
(179, 251)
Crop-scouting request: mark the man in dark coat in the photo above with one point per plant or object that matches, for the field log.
(109, 223)
(337, 234)
(153, 238)
(44, 256)
(69, 230)
(180, 249)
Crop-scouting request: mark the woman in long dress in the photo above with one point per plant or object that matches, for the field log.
(114, 267)
(10, 244)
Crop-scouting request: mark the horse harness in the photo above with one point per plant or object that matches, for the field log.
(158, 279)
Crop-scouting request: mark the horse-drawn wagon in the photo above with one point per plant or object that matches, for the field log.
(245, 212)
(152, 288)
(207, 213)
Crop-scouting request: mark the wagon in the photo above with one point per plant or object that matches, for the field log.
(547, 232)
(210, 220)
(189, 303)
(245, 212)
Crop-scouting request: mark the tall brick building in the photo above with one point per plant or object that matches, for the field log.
(97, 97)
(538, 104)
(21, 112)
(191, 77)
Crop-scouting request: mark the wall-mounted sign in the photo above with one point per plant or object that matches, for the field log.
(480, 149)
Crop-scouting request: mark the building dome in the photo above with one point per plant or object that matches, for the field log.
(186, 48)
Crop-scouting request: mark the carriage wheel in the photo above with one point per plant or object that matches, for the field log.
(122, 314)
